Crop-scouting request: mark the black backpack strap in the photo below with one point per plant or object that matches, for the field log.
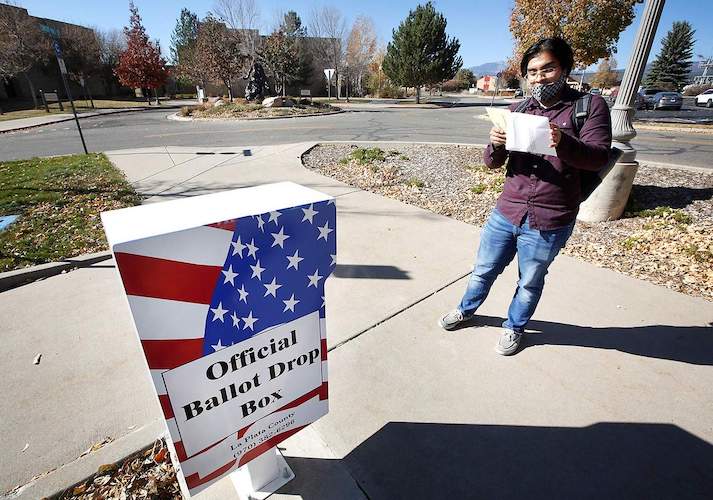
(581, 112)
(521, 107)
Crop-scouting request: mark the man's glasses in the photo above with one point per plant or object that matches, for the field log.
(546, 72)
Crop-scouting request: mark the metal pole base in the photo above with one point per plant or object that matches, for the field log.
(608, 201)
(263, 476)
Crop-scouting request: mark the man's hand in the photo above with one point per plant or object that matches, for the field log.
(497, 137)
(555, 135)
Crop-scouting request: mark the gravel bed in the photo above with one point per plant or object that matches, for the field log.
(670, 246)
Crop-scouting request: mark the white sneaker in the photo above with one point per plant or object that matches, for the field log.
(508, 342)
(452, 319)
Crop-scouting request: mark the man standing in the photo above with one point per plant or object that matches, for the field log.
(536, 212)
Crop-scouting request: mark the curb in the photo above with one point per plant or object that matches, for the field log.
(175, 117)
(63, 478)
(86, 115)
(19, 277)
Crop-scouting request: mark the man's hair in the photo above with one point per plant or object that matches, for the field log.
(556, 46)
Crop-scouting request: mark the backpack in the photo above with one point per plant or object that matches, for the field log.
(589, 180)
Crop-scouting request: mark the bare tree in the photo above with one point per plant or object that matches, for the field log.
(22, 44)
(111, 44)
(82, 54)
(327, 27)
(361, 48)
(243, 18)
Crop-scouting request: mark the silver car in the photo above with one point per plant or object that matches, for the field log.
(667, 100)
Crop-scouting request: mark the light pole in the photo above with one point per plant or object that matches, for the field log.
(608, 201)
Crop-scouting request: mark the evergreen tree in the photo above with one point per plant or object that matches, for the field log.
(296, 33)
(184, 36)
(671, 68)
(421, 52)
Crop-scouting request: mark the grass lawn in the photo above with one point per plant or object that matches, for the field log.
(58, 200)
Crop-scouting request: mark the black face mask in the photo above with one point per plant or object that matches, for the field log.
(546, 93)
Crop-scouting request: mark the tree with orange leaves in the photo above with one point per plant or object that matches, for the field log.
(591, 27)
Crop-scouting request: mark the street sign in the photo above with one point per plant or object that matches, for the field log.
(329, 73)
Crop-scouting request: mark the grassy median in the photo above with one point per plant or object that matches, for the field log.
(58, 201)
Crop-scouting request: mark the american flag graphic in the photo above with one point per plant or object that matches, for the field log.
(195, 292)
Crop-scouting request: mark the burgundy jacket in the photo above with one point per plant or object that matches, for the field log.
(546, 188)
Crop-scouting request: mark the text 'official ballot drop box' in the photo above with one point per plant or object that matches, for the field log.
(227, 295)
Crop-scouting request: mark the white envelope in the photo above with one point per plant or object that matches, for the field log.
(529, 134)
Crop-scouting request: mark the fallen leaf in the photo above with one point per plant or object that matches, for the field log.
(160, 456)
(106, 468)
(27, 445)
(79, 489)
(36, 361)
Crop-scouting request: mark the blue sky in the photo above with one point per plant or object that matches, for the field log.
(481, 26)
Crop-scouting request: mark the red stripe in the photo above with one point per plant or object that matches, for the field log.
(180, 451)
(169, 354)
(323, 348)
(228, 225)
(165, 406)
(167, 279)
(195, 480)
(324, 391)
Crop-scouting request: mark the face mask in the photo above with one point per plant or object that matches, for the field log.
(546, 93)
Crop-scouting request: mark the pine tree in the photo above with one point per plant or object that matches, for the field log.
(184, 36)
(671, 68)
(141, 64)
(421, 52)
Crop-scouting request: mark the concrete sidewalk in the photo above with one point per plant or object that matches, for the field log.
(38, 121)
(611, 396)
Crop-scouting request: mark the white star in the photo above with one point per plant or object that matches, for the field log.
(243, 294)
(290, 304)
(260, 223)
(314, 279)
(324, 231)
(257, 270)
(252, 249)
(217, 347)
(309, 214)
(219, 312)
(238, 247)
(334, 258)
(279, 238)
(294, 260)
(271, 288)
(236, 320)
(330, 202)
(249, 321)
(322, 306)
(274, 215)
(229, 275)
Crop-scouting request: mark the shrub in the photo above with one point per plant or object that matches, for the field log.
(415, 182)
(479, 188)
(367, 156)
(696, 89)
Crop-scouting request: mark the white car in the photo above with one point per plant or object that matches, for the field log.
(705, 99)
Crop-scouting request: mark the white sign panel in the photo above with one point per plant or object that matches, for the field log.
(329, 73)
(228, 390)
(227, 294)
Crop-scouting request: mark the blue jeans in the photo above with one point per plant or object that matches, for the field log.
(499, 242)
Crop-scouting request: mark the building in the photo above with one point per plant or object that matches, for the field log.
(45, 75)
(487, 83)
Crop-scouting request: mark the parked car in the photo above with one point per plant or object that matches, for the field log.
(667, 100)
(648, 97)
(705, 99)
